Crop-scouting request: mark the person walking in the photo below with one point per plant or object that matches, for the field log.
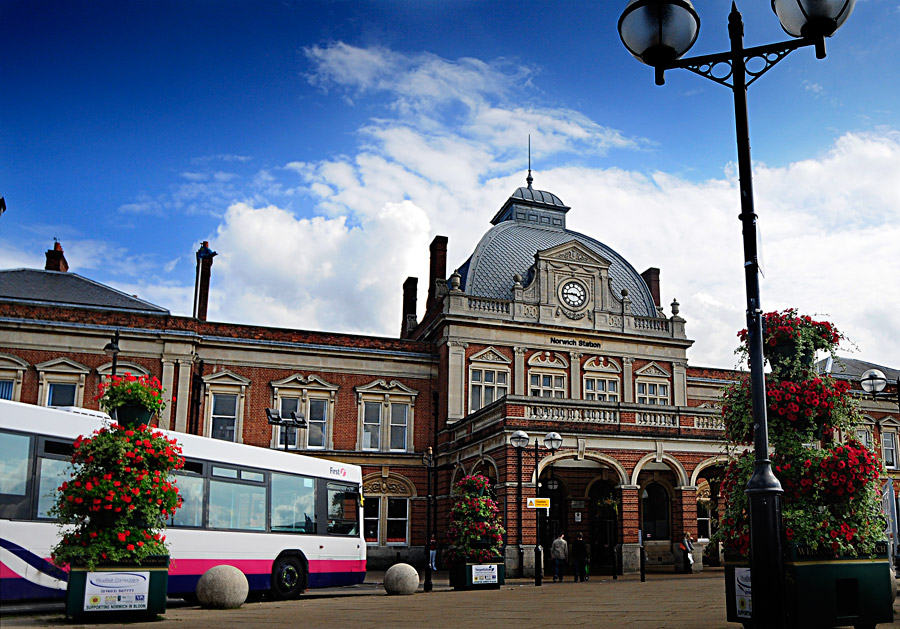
(559, 551)
(687, 547)
(432, 553)
(579, 557)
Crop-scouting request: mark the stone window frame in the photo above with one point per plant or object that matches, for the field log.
(490, 360)
(649, 375)
(889, 433)
(383, 487)
(62, 370)
(553, 364)
(305, 389)
(602, 368)
(867, 428)
(387, 394)
(225, 382)
(12, 369)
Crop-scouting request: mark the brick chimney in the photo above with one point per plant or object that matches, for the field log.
(56, 260)
(205, 257)
(408, 324)
(651, 279)
(438, 268)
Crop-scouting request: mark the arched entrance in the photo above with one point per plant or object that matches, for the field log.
(552, 523)
(603, 513)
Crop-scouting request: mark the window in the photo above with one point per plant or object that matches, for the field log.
(397, 520)
(386, 415)
(61, 394)
(312, 398)
(487, 385)
(703, 519)
(317, 419)
(343, 509)
(547, 385)
(865, 437)
(6, 389)
(224, 416)
(190, 487)
(12, 369)
(889, 448)
(293, 504)
(61, 382)
(237, 505)
(601, 389)
(15, 475)
(53, 473)
(655, 507)
(372, 426)
(652, 393)
(372, 517)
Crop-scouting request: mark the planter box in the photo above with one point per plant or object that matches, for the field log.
(478, 576)
(821, 591)
(122, 591)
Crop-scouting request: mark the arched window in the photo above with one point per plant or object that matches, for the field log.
(655, 507)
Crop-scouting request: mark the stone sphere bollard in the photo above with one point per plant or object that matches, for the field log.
(401, 578)
(222, 587)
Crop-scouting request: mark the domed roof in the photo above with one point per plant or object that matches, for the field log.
(532, 221)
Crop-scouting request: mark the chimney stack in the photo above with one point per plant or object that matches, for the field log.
(408, 324)
(651, 279)
(205, 257)
(438, 268)
(56, 260)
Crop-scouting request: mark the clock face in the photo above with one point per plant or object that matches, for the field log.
(573, 294)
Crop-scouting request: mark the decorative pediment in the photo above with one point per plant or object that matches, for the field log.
(10, 362)
(868, 421)
(63, 365)
(122, 368)
(652, 371)
(299, 381)
(227, 378)
(490, 355)
(889, 422)
(573, 252)
(548, 359)
(386, 389)
(602, 363)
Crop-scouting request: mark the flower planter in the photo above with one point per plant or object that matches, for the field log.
(132, 415)
(821, 591)
(485, 575)
(123, 592)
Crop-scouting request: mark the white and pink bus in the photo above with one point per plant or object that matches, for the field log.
(288, 522)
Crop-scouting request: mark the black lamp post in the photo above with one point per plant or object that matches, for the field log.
(112, 349)
(658, 33)
(428, 462)
(519, 441)
(552, 441)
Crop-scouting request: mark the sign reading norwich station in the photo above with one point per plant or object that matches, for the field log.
(538, 503)
(574, 342)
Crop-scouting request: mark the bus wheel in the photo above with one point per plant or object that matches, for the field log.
(287, 578)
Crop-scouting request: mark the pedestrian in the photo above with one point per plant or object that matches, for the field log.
(579, 557)
(432, 553)
(687, 548)
(559, 551)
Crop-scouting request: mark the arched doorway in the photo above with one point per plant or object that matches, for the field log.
(603, 533)
(551, 524)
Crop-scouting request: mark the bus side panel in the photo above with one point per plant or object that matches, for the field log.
(325, 573)
(185, 573)
(25, 575)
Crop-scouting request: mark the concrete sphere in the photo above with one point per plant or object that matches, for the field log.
(401, 578)
(222, 587)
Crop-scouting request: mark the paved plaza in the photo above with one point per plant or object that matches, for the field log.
(664, 600)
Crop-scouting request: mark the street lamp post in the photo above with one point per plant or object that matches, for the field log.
(428, 461)
(519, 441)
(659, 33)
(552, 441)
(112, 349)
(294, 421)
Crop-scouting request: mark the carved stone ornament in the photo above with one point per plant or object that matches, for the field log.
(389, 486)
(572, 315)
(490, 355)
(574, 255)
(602, 363)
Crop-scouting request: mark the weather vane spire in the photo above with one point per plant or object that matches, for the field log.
(529, 178)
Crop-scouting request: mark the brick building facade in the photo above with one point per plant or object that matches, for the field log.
(541, 329)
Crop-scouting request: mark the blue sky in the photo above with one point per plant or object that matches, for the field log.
(320, 146)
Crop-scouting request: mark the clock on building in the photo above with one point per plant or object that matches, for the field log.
(573, 294)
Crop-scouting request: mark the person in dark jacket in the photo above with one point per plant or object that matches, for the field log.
(579, 557)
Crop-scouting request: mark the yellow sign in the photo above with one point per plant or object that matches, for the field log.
(538, 503)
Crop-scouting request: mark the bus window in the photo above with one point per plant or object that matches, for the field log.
(237, 506)
(15, 470)
(343, 510)
(53, 473)
(191, 511)
(293, 504)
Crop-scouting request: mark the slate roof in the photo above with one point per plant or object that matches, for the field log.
(37, 287)
(510, 245)
(852, 368)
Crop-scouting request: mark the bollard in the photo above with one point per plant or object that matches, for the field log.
(643, 565)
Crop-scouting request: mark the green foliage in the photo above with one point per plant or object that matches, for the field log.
(475, 532)
(831, 482)
(114, 507)
(128, 389)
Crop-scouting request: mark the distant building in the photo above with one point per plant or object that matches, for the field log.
(541, 329)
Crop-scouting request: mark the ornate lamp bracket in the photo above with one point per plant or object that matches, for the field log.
(754, 62)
